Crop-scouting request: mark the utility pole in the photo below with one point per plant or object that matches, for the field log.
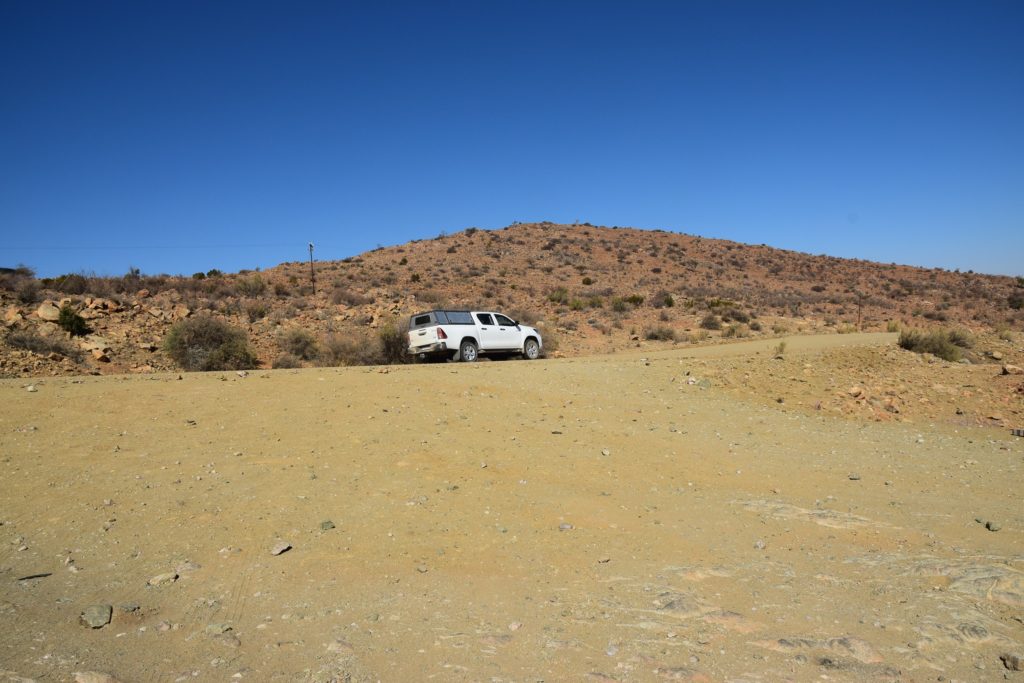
(312, 274)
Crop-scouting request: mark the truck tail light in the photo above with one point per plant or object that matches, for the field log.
(441, 334)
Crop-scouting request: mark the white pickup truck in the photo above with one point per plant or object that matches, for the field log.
(467, 335)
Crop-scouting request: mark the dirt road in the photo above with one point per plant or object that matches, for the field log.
(612, 518)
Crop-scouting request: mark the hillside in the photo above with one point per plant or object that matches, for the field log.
(591, 289)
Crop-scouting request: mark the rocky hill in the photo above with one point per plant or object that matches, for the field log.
(591, 289)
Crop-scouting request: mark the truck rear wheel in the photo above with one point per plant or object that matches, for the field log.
(468, 351)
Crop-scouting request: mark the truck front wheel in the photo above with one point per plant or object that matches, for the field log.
(531, 349)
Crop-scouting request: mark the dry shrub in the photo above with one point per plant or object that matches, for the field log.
(205, 343)
(940, 343)
(299, 343)
(341, 295)
(347, 349)
(44, 346)
(660, 333)
(286, 361)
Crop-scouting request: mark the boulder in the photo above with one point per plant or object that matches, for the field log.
(180, 312)
(1012, 370)
(13, 315)
(48, 311)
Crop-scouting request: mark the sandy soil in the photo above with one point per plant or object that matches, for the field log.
(638, 517)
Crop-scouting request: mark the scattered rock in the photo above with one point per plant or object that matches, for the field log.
(605, 452)
(280, 547)
(129, 607)
(1013, 662)
(97, 616)
(1012, 370)
(856, 392)
(760, 544)
(993, 526)
(854, 476)
(217, 629)
(31, 388)
(326, 525)
(996, 355)
(565, 526)
(422, 568)
(48, 311)
(94, 677)
(163, 579)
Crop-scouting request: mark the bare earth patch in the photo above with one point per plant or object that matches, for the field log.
(600, 519)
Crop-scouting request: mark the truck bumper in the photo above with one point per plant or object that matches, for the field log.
(437, 348)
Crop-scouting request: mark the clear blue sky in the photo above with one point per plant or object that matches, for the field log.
(183, 136)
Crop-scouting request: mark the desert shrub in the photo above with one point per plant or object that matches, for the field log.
(30, 341)
(698, 336)
(431, 296)
(298, 342)
(346, 349)
(415, 277)
(587, 281)
(961, 338)
(524, 316)
(1015, 301)
(1004, 332)
(780, 348)
(619, 306)
(252, 286)
(660, 333)
(892, 326)
(711, 322)
(72, 283)
(559, 296)
(755, 326)
(577, 304)
(937, 343)
(281, 289)
(286, 361)
(634, 299)
(779, 328)
(551, 341)
(735, 314)
(255, 310)
(71, 322)
(205, 343)
(394, 344)
(27, 290)
(737, 330)
(341, 295)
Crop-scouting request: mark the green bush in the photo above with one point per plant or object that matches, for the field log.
(559, 296)
(938, 343)
(251, 286)
(298, 342)
(71, 322)
(204, 343)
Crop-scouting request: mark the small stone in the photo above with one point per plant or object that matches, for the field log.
(129, 607)
(515, 626)
(997, 355)
(94, 677)
(31, 388)
(1013, 662)
(340, 647)
(422, 568)
(97, 616)
(217, 629)
(854, 476)
(760, 545)
(605, 452)
(993, 526)
(326, 525)
(163, 579)
(565, 526)
(855, 391)
(280, 547)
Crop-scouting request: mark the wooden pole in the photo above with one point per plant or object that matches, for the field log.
(312, 273)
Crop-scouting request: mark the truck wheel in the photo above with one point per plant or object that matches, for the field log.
(531, 349)
(467, 351)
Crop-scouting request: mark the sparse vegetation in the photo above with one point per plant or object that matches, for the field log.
(944, 344)
(36, 343)
(286, 361)
(660, 333)
(71, 322)
(205, 343)
(299, 343)
(711, 322)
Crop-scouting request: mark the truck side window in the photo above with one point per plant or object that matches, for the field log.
(502, 320)
(485, 318)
